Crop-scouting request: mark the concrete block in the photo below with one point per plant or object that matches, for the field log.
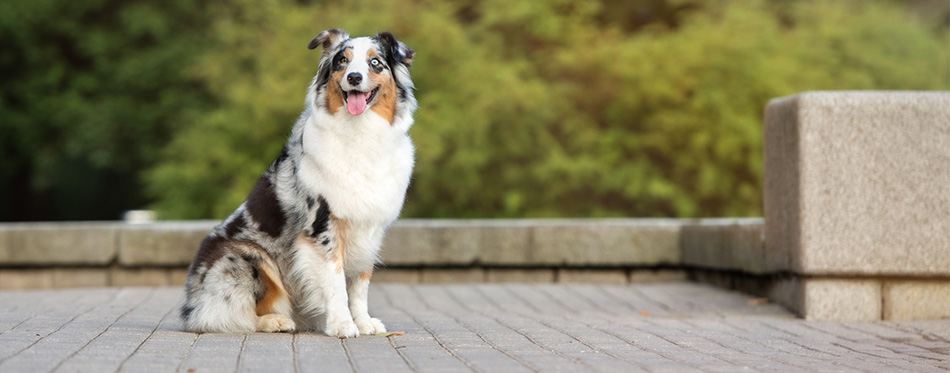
(141, 277)
(520, 275)
(611, 242)
(452, 275)
(80, 277)
(505, 244)
(830, 299)
(916, 299)
(858, 183)
(161, 244)
(657, 275)
(592, 276)
(725, 244)
(412, 242)
(177, 276)
(44, 244)
(21, 279)
(720, 279)
(423, 242)
(397, 275)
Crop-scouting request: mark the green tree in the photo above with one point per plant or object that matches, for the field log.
(552, 108)
(90, 91)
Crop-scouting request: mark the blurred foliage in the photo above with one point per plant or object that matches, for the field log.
(527, 108)
(90, 91)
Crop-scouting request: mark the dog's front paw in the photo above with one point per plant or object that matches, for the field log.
(342, 329)
(275, 323)
(370, 326)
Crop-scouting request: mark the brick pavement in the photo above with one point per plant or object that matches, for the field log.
(474, 327)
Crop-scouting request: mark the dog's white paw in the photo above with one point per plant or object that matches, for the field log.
(342, 329)
(275, 323)
(370, 326)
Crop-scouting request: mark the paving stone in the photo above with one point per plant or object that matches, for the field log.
(374, 354)
(166, 348)
(49, 351)
(111, 348)
(267, 352)
(40, 319)
(468, 327)
(421, 350)
(215, 352)
(551, 335)
(316, 352)
(459, 340)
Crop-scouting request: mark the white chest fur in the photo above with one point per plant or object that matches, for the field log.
(360, 165)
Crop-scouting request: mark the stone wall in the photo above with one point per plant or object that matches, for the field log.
(857, 227)
(857, 204)
(45, 255)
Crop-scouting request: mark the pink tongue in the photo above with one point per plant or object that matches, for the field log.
(355, 102)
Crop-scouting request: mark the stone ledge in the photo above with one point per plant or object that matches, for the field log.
(81, 277)
(44, 244)
(610, 242)
(161, 244)
(49, 255)
(725, 244)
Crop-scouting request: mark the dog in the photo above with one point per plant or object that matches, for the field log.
(298, 254)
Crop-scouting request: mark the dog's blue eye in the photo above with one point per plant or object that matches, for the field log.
(375, 62)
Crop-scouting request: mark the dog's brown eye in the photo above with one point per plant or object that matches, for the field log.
(344, 60)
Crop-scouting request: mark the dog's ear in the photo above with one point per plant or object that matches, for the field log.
(398, 51)
(329, 39)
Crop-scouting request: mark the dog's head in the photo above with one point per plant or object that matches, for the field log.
(363, 73)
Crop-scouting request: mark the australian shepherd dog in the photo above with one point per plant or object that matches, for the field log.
(298, 254)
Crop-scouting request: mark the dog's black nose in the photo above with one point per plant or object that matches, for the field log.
(354, 78)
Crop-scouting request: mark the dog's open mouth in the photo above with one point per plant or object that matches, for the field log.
(356, 101)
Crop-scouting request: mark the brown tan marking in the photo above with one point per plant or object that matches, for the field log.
(366, 275)
(275, 290)
(334, 97)
(385, 102)
(270, 276)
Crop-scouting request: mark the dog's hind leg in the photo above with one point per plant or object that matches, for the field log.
(273, 308)
(226, 286)
(220, 291)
